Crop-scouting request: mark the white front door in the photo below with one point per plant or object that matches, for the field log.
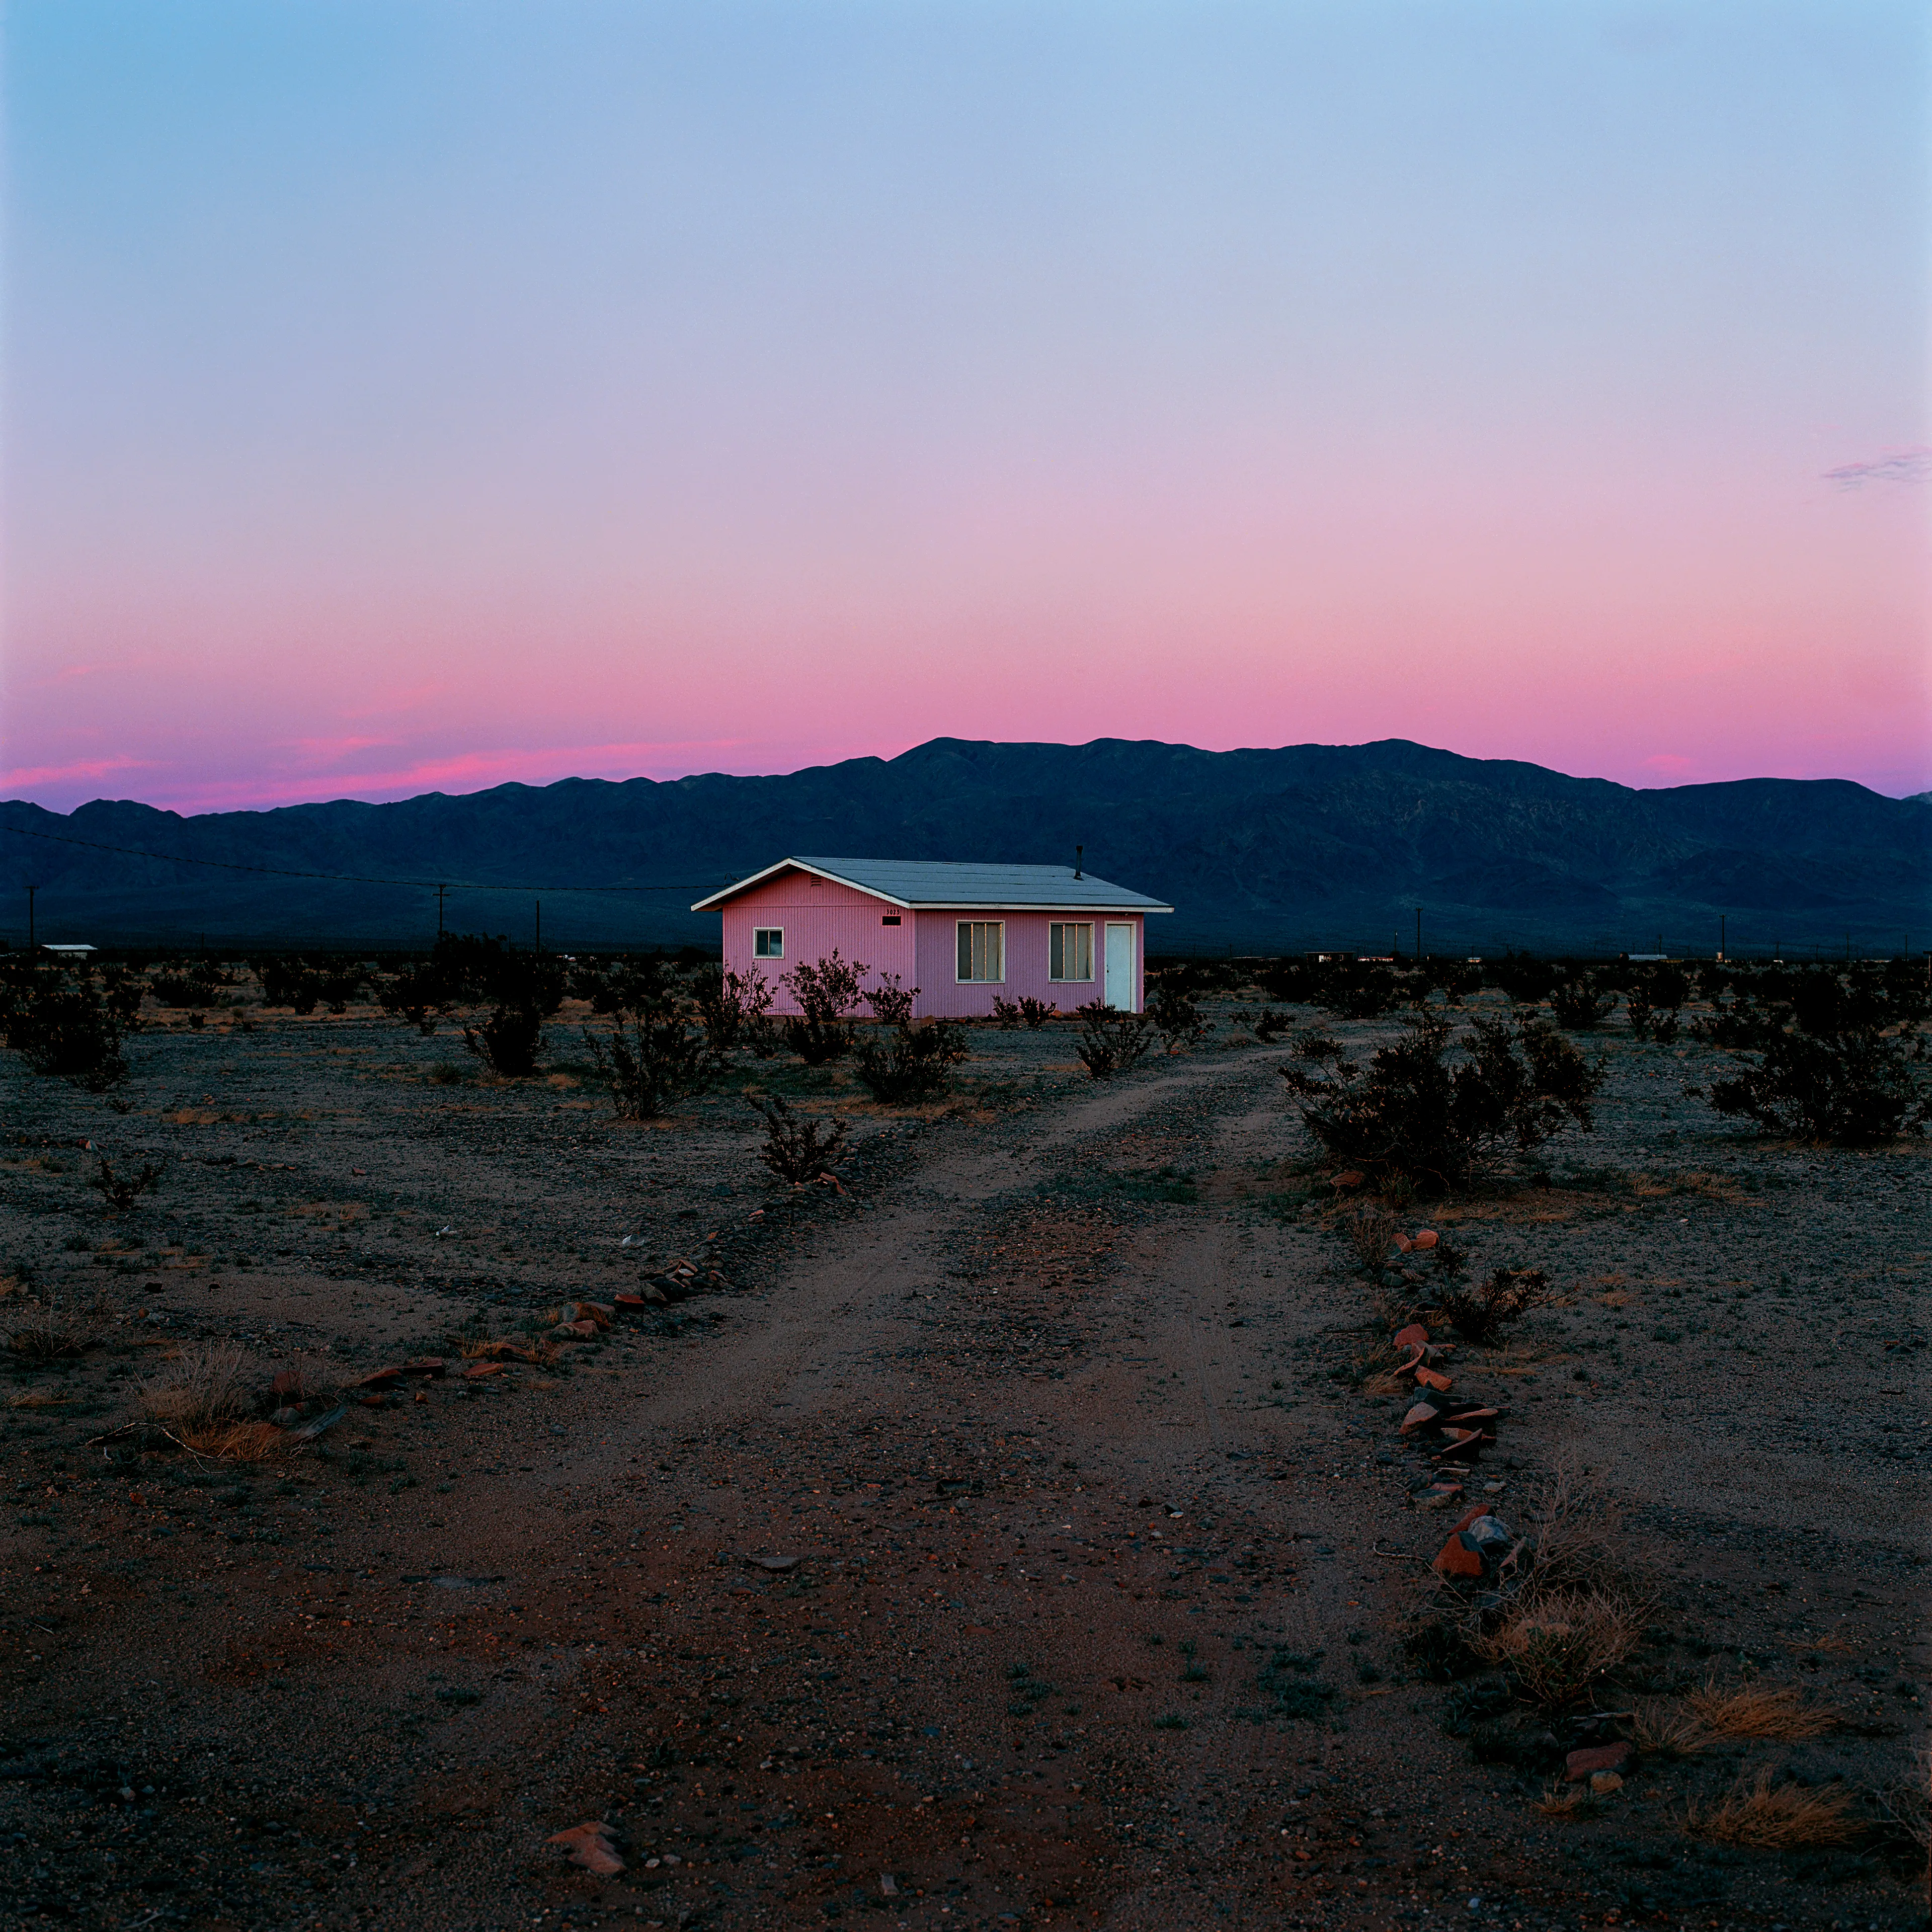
(1121, 967)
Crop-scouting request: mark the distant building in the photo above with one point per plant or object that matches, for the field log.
(964, 935)
(66, 951)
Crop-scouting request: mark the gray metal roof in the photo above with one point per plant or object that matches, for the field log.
(915, 883)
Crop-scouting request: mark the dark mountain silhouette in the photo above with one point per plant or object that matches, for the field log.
(1309, 845)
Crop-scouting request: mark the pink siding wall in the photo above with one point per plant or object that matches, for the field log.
(1026, 950)
(817, 914)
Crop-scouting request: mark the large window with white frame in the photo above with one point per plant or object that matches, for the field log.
(982, 949)
(1070, 949)
(768, 942)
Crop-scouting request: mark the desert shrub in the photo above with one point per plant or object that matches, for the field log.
(1036, 1013)
(1291, 980)
(1413, 1114)
(481, 971)
(509, 1041)
(63, 1028)
(121, 1191)
(288, 982)
(911, 1063)
(1175, 1016)
(1110, 1041)
(1314, 1043)
(416, 995)
(1557, 1646)
(1853, 1086)
(659, 1058)
(1580, 1004)
(1356, 989)
(796, 1149)
(204, 1386)
(1455, 979)
(735, 1009)
(1268, 1026)
(1521, 979)
(177, 990)
(890, 1002)
(1006, 1013)
(825, 992)
(1480, 1313)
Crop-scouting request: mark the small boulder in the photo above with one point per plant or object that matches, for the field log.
(1424, 1237)
(1593, 1759)
(593, 1846)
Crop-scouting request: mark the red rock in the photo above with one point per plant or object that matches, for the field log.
(421, 1397)
(1432, 1378)
(1402, 1242)
(590, 1311)
(1413, 1336)
(593, 1846)
(1468, 1516)
(379, 1379)
(1594, 1758)
(1458, 1557)
(425, 1365)
(1424, 1237)
(287, 1386)
(1353, 1178)
(1420, 1417)
(586, 1328)
(370, 1401)
(476, 1371)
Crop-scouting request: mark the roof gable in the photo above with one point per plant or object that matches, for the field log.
(917, 883)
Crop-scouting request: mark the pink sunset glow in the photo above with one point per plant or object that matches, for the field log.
(1507, 400)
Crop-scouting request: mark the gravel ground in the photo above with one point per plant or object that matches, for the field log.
(1108, 1572)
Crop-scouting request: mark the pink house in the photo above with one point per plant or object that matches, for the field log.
(963, 934)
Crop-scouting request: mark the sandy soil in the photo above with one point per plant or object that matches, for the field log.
(1106, 1563)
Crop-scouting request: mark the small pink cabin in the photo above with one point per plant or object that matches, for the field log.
(964, 935)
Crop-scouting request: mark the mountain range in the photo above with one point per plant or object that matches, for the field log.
(1306, 846)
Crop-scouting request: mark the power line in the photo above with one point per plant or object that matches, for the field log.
(346, 878)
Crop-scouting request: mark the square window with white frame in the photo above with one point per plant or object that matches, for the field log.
(982, 949)
(768, 942)
(1070, 949)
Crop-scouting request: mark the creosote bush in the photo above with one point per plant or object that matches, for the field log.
(1175, 1016)
(909, 1062)
(892, 1003)
(1110, 1041)
(1432, 1108)
(65, 1028)
(827, 992)
(1036, 1013)
(797, 1149)
(509, 1041)
(1480, 1313)
(121, 1191)
(653, 1062)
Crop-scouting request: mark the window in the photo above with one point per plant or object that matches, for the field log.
(768, 942)
(1069, 950)
(889, 918)
(982, 949)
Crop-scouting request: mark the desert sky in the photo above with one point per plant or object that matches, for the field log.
(414, 394)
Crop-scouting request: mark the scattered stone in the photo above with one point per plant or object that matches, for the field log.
(477, 1371)
(590, 1311)
(1420, 1417)
(1413, 1336)
(378, 1379)
(1603, 1783)
(425, 1365)
(585, 1329)
(1460, 1556)
(1425, 1237)
(889, 1886)
(1594, 1758)
(592, 1845)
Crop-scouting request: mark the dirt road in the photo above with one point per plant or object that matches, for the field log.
(1088, 1573)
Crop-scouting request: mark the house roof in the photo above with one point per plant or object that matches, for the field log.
(922, 883)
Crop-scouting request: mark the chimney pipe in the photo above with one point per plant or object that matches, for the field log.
(1078, 852)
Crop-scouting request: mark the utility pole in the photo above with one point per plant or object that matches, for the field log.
(31, 891)
(1418, 935)
(1720, 935)
(440, 892)
(539, 925)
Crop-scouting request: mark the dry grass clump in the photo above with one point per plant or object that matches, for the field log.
(1371, 1233)
(203, 1390)
(1774, 1817)
(51, 1334)
(1575, 1533)
(1559, 1644)
(1567, 1800)
(1756, 1711)
(1661, 1728)
(236, 1441)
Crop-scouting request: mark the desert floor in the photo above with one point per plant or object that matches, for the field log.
(1111, 1607)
